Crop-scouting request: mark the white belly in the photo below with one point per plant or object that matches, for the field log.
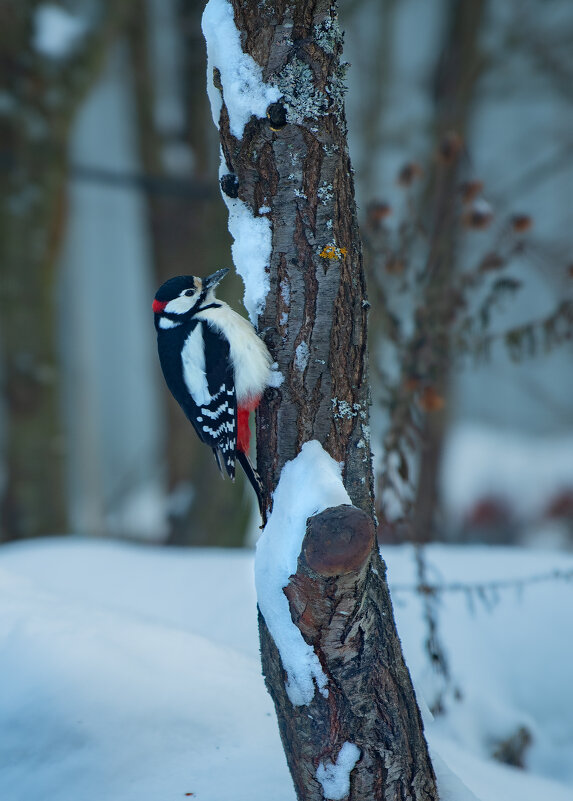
(249, 355)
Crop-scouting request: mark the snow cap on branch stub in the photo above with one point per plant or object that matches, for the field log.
(309, 484)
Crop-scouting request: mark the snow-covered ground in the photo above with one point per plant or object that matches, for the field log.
(131, 673)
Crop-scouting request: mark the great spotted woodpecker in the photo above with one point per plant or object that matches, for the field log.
(215, 366)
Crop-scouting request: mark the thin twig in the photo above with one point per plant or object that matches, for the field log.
(479, 587)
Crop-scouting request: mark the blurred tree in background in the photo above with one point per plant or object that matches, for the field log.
(466, 191)
(42, 81)
(108, 186)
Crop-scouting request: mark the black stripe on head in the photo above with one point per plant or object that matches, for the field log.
(175, 286)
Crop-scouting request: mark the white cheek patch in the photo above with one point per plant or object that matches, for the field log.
(193, 358)
(165, 322)
(180, 305)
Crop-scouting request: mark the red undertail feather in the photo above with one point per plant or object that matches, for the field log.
(243, 430)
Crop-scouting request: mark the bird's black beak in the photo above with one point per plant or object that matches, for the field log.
(212, 280)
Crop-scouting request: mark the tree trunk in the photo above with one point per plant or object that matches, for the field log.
(416, 404)
(454, 89)
(339, 600)
(296, 164)
(40, 92)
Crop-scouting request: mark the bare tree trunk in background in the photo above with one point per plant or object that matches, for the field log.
(315, 324)
(40, 94)
(377, 64)
(456, 77)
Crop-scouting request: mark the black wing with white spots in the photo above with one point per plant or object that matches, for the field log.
(205, 388)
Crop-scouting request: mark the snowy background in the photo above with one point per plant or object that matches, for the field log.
(132, 673)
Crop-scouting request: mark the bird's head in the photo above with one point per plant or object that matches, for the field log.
(185, 295)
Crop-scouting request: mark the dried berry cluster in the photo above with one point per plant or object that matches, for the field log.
(435, 315)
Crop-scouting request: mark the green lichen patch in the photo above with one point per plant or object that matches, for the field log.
(303, 97)
(329, 36)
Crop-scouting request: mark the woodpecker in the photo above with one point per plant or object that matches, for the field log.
(215, 366)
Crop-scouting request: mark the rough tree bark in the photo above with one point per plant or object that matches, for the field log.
(297, 165)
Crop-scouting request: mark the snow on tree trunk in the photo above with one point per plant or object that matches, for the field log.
(332, 659)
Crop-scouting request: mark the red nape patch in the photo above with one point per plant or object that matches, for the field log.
(158, 306)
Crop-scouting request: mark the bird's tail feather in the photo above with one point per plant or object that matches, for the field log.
(229, 464)
(254, 478)
(218, 460)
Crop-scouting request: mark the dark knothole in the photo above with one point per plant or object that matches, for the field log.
(277, 115)
(230, 185)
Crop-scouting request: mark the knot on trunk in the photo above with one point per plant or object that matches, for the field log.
(324, 594)
(338, 541)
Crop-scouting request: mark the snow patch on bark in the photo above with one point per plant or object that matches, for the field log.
(310, 483)
(335, 778)
(235, 78)
(241, 78)
(251, 251)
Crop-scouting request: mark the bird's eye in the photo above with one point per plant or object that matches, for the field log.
(189, 292)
